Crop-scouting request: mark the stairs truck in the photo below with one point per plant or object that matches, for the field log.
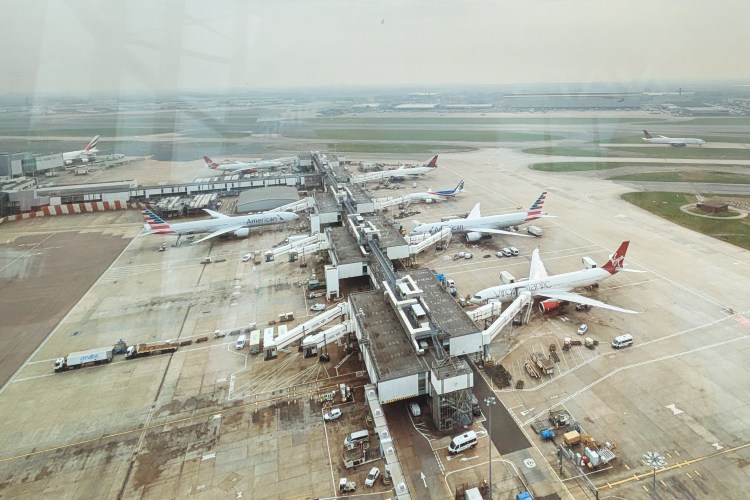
(140, 350)
(84, 358)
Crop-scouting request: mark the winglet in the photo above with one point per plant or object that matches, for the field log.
(646, 135)
(210, 163)
(616, 262)
(433, 162)
(92, 144)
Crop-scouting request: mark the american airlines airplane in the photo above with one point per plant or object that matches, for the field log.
(84, 155)
(558, 288)
(251, 166)
(219, 224)
(672, 141)
(474, 225)
(430, 195)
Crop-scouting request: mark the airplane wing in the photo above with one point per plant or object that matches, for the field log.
(494, 231)
(215, 215)
(537, 267)
(219, 233)
(580, 299)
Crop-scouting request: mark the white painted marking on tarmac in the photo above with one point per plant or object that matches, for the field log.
(529, 463)
(424, 478)
(673, 408)
(464, 459)
(220, 380)
(717, 446)
(218, 415)
(209, 456)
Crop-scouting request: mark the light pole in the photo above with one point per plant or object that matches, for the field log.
(490, 402)
(656, 461)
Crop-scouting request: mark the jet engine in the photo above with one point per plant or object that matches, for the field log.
(68, 162)
(473, 237)
(242, 232)
(548, 305)
(84, 160)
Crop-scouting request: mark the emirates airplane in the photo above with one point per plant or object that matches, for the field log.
(678, 142)
(83, 155)
(558, 288)
(251, 166)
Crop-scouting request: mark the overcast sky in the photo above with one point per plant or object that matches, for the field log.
(135, 45)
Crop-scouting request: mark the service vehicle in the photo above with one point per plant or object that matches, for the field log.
(84, 358)
(506, 252)
(415, 410)
(355, 438)
(247, 257)
(583, 329)
(140, 350)
(346, 486)
(463, 442)
(372, 476)
(240, 344)
(513, 251)
(534, 231)
(333, 414)
(622, 341)
(318, 307)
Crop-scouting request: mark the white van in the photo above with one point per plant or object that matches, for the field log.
(241, 342)
(355, 438)
(463, 442)
(622, 341)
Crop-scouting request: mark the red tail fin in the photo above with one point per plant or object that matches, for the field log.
(210, 163)
(432, 163)
(92, 144)
(617, 260)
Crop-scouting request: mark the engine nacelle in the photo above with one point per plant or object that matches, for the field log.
(428, 200)
(548, 305)
(84, 160)
(242, 232)
(473, 237)
(68, 162)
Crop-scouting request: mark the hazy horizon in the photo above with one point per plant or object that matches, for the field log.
(286, 45)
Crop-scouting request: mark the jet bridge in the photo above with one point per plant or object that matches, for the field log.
(312, 325)
(382, 203)
(295, 206)
(444, 235)
(312, 343)
(490, 310)
(312, 244)
(523, 299)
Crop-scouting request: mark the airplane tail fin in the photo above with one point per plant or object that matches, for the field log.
(210, 163)
(536, 209)
(154, 223)
(616, 262)
(459, 188)
(92, 143)
(646, 135)
(432, 163)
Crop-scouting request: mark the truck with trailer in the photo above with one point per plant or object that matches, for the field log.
(140, 350)
(84, 358)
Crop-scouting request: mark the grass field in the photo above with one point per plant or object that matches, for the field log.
(736, 121)
(654, 152)
(571, 166)
(436, 120)
(430, 135)
(579, 166)
(667, 205)
(393, 147)
(687, 176)
(636, 139)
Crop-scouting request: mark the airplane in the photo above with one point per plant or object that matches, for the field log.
(252, 166)
(430, 195)
(676, 142)
(558, 288)
(474, 225)
(399, 173)
(219, 224)
(83, 155)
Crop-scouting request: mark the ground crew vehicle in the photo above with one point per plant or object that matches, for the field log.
(372, 477)
(84, 358)
(463, 442)
(140, 350)
(622, 341)
(346, 486)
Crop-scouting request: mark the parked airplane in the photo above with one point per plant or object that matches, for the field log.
(251, 166)
(474, 225)
(558, 288)
(219, 224)
(676, 142)
(430, 195)
(84, 155)
(397, 174)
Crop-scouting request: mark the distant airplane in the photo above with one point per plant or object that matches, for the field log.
(430, 195)
(676, 142)
(84, 155)
(219, 224)
(558, 288)
(474, 225)
(251, 166)
(399, 173)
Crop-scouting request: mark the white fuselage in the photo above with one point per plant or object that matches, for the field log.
(257, 165)
(561, 282)
(79, 155)
(467, 225)
(212, 225)
(675, 141)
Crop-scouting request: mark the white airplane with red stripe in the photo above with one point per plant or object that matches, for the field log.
(677, 142)
(83, 155)
(558, 288)
(474, 225)
(251, 167)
